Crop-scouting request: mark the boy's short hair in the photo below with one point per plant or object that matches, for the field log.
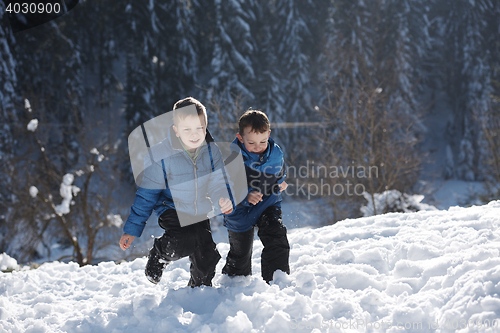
(181, 114)
(256, 120)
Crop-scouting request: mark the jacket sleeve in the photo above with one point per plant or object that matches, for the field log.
(140, 211)
(282, 173)
(146, 197)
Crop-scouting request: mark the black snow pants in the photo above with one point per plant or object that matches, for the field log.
(276, 251)
(193, 241)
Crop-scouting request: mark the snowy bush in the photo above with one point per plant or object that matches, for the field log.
(7, 263)
(393, 201)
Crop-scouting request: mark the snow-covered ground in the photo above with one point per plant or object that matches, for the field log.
(430, 271)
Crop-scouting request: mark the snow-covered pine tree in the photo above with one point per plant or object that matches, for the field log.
(293, 38)
(404, 38)
(489, 121)
(467, 72)
(388, 38)
(283, 66)
(99, 43)
(233, 73)
(298, 30)
(269, 93)
(8, 81)
(50, 72)
(8, 117)
(50, 76)
(370, 103)
(142, 30)
(381, 43)
(176, 64)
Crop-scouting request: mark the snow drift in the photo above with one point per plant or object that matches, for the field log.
(429, 271)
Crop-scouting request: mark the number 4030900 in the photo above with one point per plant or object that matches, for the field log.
(33, 8)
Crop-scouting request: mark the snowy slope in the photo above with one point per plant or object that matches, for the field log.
(419, 270)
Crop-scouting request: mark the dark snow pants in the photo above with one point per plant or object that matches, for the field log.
(275, 253)
(193, 241)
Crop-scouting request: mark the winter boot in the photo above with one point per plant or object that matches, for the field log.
(155, 266)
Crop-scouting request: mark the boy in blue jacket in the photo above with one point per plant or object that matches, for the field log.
(181, 173)
(265, 171)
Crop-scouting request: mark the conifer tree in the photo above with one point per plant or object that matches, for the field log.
(141, 30)
(177, 65)
(234, 47)
(50, 76)
(8, 117)
(8, 81)
(270, 96)
(372, 67)
(293, 37)
(467, 67)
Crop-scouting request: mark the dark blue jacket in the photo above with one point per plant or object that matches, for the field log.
(171, 180)
(264, 174)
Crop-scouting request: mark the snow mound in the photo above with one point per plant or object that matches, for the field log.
(429, 271)
(7, 262)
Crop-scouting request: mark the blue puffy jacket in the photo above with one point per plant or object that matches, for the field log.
(264, 174)
(171, 180)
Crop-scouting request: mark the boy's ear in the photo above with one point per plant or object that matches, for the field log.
(239, 137)
(269, 134)
(175, 130)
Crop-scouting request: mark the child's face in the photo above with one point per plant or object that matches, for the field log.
(191, 130)
(254, 142)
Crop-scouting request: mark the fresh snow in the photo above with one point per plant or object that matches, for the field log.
(32, 125)
(33, 191)
(431, 271)
(115, 220)
(67, 191)
(100, 157)
(27, 105)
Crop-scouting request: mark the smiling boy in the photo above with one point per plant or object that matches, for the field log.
(183, 173)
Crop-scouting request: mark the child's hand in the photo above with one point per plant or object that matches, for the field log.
(254, 197)
(125, 241)
(283, 186)
(226, 206)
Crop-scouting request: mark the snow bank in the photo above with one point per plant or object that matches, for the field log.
(429, 271)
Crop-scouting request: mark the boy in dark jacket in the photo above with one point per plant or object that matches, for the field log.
(265, 170)
(180, 173)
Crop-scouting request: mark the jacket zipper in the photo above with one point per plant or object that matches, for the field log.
(196, 188)
(195, 183)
